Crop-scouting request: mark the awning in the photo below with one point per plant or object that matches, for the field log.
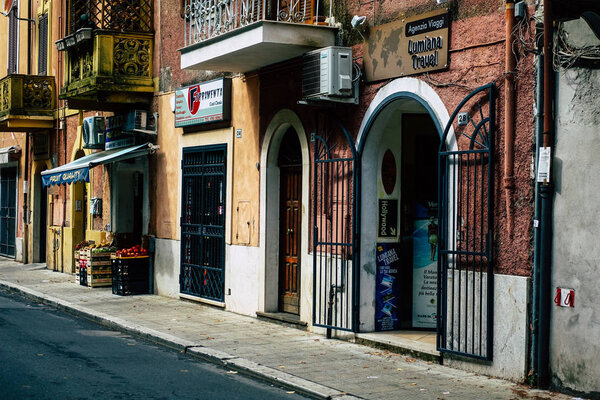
(5, 151)
(79, 170)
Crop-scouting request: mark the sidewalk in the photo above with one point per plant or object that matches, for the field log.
(301, 361)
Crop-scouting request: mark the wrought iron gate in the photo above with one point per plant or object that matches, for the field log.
(465, 262)
(203, 222)
(8, 211)
(335, 255)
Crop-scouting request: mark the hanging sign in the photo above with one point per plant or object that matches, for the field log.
(203, 103)
(386, 297)
(407, 47)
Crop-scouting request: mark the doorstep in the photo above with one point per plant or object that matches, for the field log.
(418, 344)
(286, 319)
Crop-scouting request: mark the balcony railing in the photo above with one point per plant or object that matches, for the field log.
(26, 100)
(205, 19)
(113, 67)
(119, 15)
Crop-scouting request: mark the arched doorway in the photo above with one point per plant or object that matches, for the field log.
(398, 144)
(40, 212)
(78, 207)
(285, 162)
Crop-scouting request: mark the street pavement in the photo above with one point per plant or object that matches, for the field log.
(302, 361)
(49, 354)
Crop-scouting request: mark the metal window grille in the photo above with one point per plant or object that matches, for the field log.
(119, 15)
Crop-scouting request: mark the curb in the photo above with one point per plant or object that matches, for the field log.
(245, 367)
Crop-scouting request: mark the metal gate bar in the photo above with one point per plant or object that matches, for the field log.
(8, 211)
(203, 222)
(335, 255)
(465, 262)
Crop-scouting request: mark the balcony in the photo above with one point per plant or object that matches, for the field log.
(246, 35)
(27, 103)
(108, 54)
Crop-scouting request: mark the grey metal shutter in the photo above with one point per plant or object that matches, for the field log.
(43, 44)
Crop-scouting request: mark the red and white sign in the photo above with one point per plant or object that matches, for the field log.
(565, 297)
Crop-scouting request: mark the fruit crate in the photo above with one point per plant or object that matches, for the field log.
(130, 275)
(127, 287)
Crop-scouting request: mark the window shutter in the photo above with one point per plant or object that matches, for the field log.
(43, 44)
(13, 41)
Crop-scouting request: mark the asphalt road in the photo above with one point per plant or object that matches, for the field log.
(48, 354)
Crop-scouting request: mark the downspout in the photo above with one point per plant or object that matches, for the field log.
(509, 114)
(26, 168)
(546, 194)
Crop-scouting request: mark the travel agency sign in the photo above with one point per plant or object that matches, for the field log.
(203, 103)
(407, 47)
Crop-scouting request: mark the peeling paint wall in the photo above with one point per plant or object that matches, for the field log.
(575, 349)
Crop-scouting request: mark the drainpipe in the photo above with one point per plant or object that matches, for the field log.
(546, 195)
(26, 168)
(509, 113)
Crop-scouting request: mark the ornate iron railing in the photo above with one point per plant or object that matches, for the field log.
(205, 19)
(120, 15)
(27, 95)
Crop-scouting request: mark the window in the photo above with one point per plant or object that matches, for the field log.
(43, 44)
(13, 40)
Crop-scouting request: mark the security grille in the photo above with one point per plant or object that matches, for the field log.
(335, 255)
(466, 195)
(203, 222)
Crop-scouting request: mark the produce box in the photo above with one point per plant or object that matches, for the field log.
(127, 288)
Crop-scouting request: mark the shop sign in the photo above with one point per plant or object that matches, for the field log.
(116, 137)
(388, 218)
(203, 103)
(407, 47)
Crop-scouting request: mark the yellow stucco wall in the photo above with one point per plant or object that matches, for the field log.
(246, 175)
(242, 156)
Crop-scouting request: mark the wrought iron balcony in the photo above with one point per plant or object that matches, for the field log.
(244, 35)
(110, 69)
(27, 102)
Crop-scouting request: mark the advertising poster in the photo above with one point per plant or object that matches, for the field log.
(388, 266)
(425, 243)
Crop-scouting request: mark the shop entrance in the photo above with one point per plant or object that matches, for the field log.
(290, 169)
(399, 220)
(203, 222)
(8, 211)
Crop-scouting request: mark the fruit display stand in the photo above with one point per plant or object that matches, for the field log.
(96, 268)
(130, 274)
(76, 258)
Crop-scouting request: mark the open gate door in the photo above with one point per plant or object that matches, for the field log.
(465, 262)
(335, 255)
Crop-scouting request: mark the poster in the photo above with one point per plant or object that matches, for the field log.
(425, 273)
(388, 266)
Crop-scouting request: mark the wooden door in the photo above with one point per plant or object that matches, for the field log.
(289, 239)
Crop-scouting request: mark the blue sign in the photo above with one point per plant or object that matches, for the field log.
(386, 296)
(64, 177)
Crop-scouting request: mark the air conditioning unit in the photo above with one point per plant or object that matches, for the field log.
(141, 121)
(93, 132)
(327, 74)
(135, 119)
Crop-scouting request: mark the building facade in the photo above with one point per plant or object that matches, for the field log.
(359, 169)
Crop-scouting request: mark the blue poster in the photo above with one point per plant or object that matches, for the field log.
(386, 296)
(425, 243)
